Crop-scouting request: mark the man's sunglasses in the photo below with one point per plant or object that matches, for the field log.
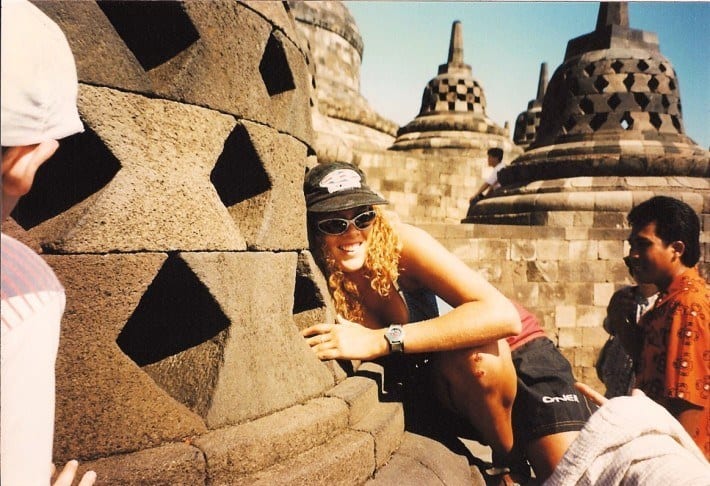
(338, 226)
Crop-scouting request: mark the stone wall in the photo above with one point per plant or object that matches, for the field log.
(564, 275)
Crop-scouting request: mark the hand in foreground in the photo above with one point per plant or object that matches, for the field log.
(596, 397)
(345, 340)
(66, 477)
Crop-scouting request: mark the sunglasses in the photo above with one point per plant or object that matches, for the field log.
(338, 226)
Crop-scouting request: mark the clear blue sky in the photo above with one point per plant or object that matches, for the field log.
(505, 43)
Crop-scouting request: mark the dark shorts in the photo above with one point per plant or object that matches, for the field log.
(546, 401)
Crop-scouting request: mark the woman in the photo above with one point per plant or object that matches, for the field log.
(372, 265)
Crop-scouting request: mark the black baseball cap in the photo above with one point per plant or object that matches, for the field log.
(337, 186)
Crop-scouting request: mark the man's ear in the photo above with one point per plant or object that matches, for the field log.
(678, 247)
(20, 164)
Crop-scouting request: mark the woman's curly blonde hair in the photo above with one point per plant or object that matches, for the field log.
(381, 267)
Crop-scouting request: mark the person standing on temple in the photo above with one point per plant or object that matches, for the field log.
(495, 160)
(671, 346)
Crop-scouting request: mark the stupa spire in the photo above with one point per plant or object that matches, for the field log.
(542, 83)
(613, 13)
(456, 44)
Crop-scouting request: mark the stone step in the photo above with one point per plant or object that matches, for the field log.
(424, 461)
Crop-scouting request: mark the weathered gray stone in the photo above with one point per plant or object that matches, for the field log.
(259, 444)
(105, 403)
(347, 459)
(386, 425)
(166, 465)
(161, 199)
(270, 219)
(101, 56)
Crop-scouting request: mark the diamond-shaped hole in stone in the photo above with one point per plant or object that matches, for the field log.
(655, 120)
(589, 69)
(627, 122)
(671, 84)
(653, 83)
(239, 173)
(676, 123)
(600, 83)
(665, 102)
(154, 31)
(176, 313)
(642, 100)
(662, 67)
(598, 120)
(81, 166)
(274, 68)
(586, 105)
(613, 101)
(629, 81)
(306, 295)
(617, 66)
(642, 65)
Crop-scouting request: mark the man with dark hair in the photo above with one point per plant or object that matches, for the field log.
(495, 160)
(672, 343)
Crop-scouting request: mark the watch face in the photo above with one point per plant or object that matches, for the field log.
(395, 333)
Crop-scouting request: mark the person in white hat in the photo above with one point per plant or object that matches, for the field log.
(39, 96)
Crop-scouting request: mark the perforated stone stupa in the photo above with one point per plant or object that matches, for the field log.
(343, 119)
(528, 121)
(611, 134)
(453, 110)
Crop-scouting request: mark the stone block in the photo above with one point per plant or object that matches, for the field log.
(565, 317)
(260, 444)
(166, 465)
(551, 293)
(385, 423)
(542, 271)
(609, 220)
(580, 294)
(590, 316)
(552, 249)
(570, 337)
(583, 250)
(576, 233)
(611, 250)
(160, 197)
(522, 250)
(361, 395)
(347, 459)
(260, 177)
(406, 470)
(105, 403)
(241, 65)
(603, 293)
(254, 290)
(490, 249)
(101, 55)
(593, 336)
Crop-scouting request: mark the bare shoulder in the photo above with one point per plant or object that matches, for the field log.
(413, 236)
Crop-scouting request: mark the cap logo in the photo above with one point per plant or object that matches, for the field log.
(340, 180)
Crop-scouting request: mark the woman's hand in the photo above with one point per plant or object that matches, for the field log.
(346, 340)
(66, 477)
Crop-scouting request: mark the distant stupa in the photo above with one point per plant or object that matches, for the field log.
(453, 110)
(528, 121)
(611, 134)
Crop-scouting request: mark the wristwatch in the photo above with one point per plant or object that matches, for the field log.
(395, 338)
